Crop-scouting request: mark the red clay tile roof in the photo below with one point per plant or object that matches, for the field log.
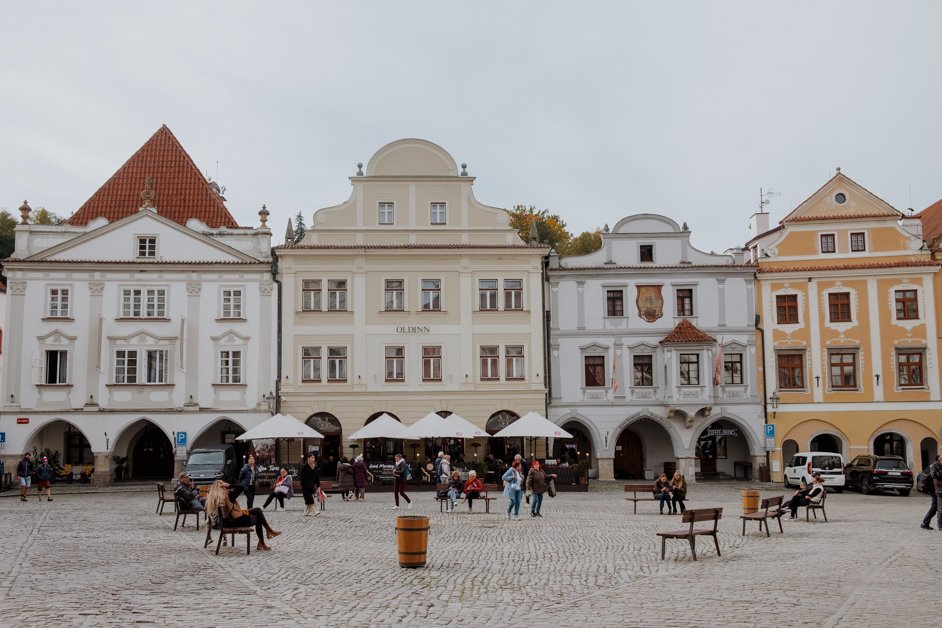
(836, 217)
(523, 247)
(915, 263)
(686, 332)
(182, 192)
(931, 218)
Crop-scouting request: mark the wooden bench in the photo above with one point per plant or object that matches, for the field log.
(691, 533)
(811, 508)
(223, 531)
(484, 497)
(183, 512)
(162, 498)
(646, 490)
(763, 515)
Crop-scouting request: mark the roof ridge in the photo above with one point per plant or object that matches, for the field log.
(686, 332)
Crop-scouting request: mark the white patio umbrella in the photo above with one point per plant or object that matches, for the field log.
(432, 426)
(532, 425)
(466, 428)
(383, 427)
(280, 426)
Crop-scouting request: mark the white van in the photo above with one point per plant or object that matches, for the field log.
(803, 464)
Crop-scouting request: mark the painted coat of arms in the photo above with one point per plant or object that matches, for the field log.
(650, 303)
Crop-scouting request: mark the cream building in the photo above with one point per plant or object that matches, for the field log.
(408, 298)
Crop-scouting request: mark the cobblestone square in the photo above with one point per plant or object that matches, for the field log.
(105, 558)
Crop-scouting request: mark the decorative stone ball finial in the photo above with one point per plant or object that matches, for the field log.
(25, 209)
(148, 195)
(263, 217)
(360, 169)
(464, 170)
(837, 170)
(605, 229)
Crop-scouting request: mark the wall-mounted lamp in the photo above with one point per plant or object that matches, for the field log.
(773, 403)
(271, 401)
(817, 381)
(877, 376)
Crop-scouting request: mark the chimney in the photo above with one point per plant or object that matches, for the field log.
(758, 224)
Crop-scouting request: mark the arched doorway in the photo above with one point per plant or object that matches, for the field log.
(890, 444)
(928, 450)
(789, 449)
(826, 442)
(643, 449)
(629, 456)
(332, 445)
(152, 455)
(572, 450)
(503, 448)
(381, 449)
(719, 447)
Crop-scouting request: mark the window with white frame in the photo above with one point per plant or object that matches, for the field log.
(127, 366)
(487, 294)
(732, 368)
(147, 246)
(437, 213)
(642, 367)
(513, 358)
(395, 364)
(311, 364)
(59, 303)
(311, 295)
(431, 294)
(593, 367)
(230, 366)
(490, 362)
(336, 364)
(56, 366)
(909, 368)
(513, 294)
(387, 213)
(395, 295)
(232, 303)
(336, 295)
(684, 297)
(431, 364)
(143, 303)
(689, 369)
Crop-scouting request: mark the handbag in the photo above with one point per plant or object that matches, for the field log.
(551, 488)
(282, 488)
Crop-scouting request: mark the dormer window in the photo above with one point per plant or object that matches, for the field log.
(147, 247)
(646, 252)
(437, 213)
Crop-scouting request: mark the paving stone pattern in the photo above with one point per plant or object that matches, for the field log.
(106, 559)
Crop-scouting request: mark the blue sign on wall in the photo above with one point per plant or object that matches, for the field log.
(181, 439)
(770, 430)
(3, 437)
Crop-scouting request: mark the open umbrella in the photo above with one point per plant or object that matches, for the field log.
(466, 428)
(280, 426)
(532, 425)
(382, 427)
(432, 426)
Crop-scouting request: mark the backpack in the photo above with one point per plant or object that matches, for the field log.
(408, 473)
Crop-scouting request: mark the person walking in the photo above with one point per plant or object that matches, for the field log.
(935, 477)
(678, 492)
(24, 471)
(536, 485)
(44, 479)
(400, 475)
(359, 477)
(310, 484)
(345, 479)
(513, 485)
(248, 477)
(444, 470)
(438, 466)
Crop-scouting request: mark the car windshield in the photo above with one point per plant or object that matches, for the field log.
(826, 463)
(216, 458)
(891, 464)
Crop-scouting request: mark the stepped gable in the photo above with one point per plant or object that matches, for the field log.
(686, 333)
(181, 191)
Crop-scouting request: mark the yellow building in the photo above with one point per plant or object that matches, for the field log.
(848, 329)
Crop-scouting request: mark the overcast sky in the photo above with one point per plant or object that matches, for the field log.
(595, 110)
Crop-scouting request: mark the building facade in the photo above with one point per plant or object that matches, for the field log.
(849, 328)
(652, 355)
(142, 327)
(411, 297)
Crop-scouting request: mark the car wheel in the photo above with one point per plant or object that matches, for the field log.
(787, 485)
(904, 492)
(866, 486)
(838, 489)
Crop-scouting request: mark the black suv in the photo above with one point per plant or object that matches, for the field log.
(870, 473)
(208, 464)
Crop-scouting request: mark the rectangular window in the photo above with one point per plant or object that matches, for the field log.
(646, 253)
(909, 368)
(232, 303)
(642, 370)
(395, 295)
(791, 370)
(125, 366)
(489, 362)
(732, 368)
(395, 364)
(615, 302)
(513, 355)
(230, 367)
(336, 364)
(487, 294)
(513, 294)
(431, 364)
(594, 371)
(689, 369)
(311, 364)
(337, 295)
(685, 302)
(437, 213)
(143, 303)
(311, 295)
(827, 243)
(839, 307)
(858, 241)
(147, 246)
(59, 302)
(907, 307)
(843, 367)
(786, 309)
(387, 213)
(57, 367)
(431, 294)
(155, 363)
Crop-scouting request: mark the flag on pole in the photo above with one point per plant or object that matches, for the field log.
(614, 380)
(718, 372)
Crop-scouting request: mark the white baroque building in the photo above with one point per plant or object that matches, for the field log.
(636, 332)
(142, 327)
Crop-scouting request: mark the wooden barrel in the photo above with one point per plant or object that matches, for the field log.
(412, 537)
(750, 501)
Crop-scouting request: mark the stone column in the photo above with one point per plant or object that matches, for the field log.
(688, 468)
(191, 357)
(606, 466)
(102, 475)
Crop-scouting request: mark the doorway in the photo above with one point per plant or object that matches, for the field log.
(152, 455)
(629, 456)
(826, 442)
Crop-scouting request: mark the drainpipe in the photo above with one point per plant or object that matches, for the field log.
(765, 402)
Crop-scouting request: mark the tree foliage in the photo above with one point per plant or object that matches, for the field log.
(299, 228)
(551, 230)
(41, 216)
(585, 242)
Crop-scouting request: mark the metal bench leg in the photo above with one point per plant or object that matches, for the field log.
(219, 542)
(824, 512)
(663, 546)
(693, 546)
(780, 528)
(716, 542)
(744, 527)
(248, 543)
(767, 534)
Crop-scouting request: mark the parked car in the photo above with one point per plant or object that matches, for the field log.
(208, 464)
(828, 464)
(871, 473)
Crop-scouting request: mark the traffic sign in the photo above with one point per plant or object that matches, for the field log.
(3, 437)
(181, 439)
(770, 430)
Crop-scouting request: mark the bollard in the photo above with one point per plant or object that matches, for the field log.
(412, 537)
(750, 501)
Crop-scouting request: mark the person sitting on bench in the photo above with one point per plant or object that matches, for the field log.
(473, 489)
(235, 517)
(804, 496)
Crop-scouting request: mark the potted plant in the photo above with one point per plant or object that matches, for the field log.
(583, 469)
(481, 468)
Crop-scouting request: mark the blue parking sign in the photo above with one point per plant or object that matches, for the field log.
(770, 430)
(3, 437)
(181, 439)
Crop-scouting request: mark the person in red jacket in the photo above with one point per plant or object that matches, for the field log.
(472, 489)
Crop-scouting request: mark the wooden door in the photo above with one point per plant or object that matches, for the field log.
(629, 456)
(153, 455)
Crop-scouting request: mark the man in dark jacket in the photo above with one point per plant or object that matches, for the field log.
(935, 476)
(248, 478)
(44, 479)
(187, 494)
(24, 471)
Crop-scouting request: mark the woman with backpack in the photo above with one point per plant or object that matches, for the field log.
(513, 485)
(401, 474)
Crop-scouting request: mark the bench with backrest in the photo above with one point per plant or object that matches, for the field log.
(769, 508)
(811, 508)
(163, 498)
(224, 530)
(484, 496)
(646, 493)
(182, 510)
(692, 517)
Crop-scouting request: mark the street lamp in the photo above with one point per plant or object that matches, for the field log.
(475, 445)
(773, 402)
(271, 400)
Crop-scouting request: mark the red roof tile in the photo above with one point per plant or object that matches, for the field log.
(182, 192)
(931, 218)
(686, 332)
(915, 263)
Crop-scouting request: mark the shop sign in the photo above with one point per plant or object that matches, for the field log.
(726, 431)
(413, 329)
(23, 420)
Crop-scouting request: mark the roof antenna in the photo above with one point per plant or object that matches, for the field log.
(910, 208)
(765, 197)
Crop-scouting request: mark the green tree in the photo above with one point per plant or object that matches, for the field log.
(299, 228)
(7, 237)
(550, 228)
(585, 242)
(43, 216)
